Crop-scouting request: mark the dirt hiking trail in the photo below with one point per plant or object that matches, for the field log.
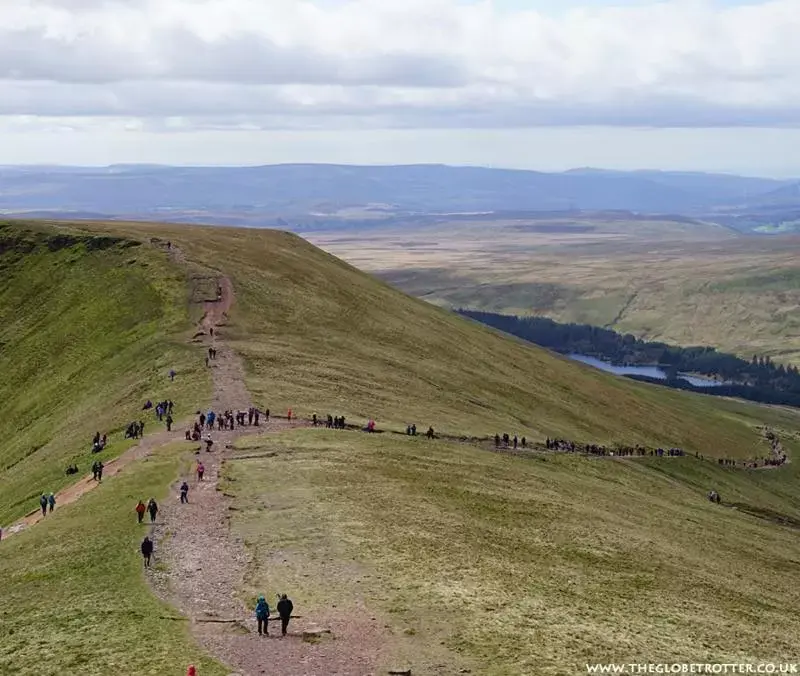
(203, 564)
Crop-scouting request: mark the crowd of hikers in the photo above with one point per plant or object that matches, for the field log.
(331, 422)
(227, 420)
(618, 451)
(134, 430)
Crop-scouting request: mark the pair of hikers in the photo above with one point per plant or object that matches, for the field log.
(284, 609)
(45, 501)
(151, 507)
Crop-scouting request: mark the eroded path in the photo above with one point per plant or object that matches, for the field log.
(205, 564)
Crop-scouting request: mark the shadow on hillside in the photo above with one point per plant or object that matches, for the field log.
(766, 514)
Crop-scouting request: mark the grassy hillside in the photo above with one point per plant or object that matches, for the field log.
(89, 328)
(319, 336)
(507, 565)
(74, 599)
(545, 560)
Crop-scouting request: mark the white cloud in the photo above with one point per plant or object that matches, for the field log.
(182, 64)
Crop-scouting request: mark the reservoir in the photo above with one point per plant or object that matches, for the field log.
(649, 371)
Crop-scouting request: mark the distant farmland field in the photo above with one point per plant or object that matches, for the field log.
(675, 282)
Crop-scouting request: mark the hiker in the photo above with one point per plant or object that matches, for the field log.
(99, 470)
(209, 443)
(211, 331)
(172, 375)
(206, 362)
(43, 504)
(200, 471)
(515, 441)
(524, 442)
(184, 493)
(430, 433)
(285, 608)
(289, 415)
(255, 416)
(72, 469)
(497, 441)
(314, 419)
(262, 616)
(140, 510)
(210, 353)
(169, 423)
(51, 500)
(152, 507)
(147, 550)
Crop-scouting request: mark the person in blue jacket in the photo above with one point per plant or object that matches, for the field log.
(262, 616)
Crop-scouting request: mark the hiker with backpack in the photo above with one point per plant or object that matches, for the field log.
(43, 504)
(140, 510)
(262, 616)
(184, 493)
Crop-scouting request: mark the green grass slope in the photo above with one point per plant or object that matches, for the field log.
(514, 566)
(569, 555)
(319, 336)
(74, 599)
(89, 328)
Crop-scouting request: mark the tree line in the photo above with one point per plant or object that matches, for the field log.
(758, 379)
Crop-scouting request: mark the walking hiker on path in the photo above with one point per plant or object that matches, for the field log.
(200, 471)
(100, 467)
(43, 504)
(169, 423)
(152, 507)
(140, 510)
(262, 616)
(94, 470)
(288, 415)
(285, 608)
(147, 551)
(51, 500)
(184, 493)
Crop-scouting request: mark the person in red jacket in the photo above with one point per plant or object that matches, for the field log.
(140, 509)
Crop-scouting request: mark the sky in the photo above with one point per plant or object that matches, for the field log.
(542, 84)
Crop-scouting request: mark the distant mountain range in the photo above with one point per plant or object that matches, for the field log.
(299, 194)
